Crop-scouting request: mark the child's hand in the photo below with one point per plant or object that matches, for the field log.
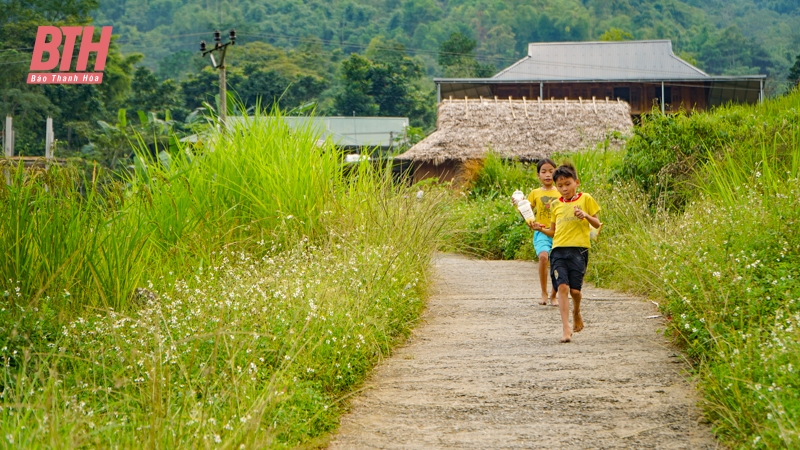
(579, 213)
(535, 226)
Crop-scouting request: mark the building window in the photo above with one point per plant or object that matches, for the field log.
(667, 95)
(622, 93)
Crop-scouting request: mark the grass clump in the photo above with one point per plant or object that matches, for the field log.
(227, 295)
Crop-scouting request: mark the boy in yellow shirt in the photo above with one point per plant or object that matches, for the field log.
(572, 215)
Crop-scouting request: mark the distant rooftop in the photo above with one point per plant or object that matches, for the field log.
(616, 60)
(347, 131)
(351, 132)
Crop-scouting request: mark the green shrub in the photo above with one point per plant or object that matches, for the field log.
(665, 150)
(490, 228)
(498, 178)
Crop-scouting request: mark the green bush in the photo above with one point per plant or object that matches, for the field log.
(490, 228)
(664, 152)
(499, 179)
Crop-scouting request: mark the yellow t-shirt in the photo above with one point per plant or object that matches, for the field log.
(570, 230)
(541, 202)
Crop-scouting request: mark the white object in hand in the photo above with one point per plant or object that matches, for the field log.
(524, 207)
(518, 196)
(593, 233)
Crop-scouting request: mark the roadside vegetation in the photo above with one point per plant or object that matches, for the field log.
(701, 214)
(227, 294)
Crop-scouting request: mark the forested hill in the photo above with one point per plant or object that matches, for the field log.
(371, 58)
(720, 36)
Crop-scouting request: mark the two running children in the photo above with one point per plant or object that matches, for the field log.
(564, 220)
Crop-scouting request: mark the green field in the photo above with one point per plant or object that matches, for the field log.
(232, 293)
(238, 291)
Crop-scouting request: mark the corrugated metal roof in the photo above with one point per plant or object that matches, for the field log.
(618, 60)
(356, 131)
(347, 131)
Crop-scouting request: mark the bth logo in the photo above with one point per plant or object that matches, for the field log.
(68, 35)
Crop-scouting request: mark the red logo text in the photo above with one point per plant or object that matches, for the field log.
(67, 36)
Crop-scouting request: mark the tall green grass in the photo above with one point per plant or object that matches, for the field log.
(725, 265)
(663, 155)
(66, 247)
(225, 295)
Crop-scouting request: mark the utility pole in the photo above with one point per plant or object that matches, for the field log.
(221, 48)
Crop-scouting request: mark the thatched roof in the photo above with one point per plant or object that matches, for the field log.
(523, 129)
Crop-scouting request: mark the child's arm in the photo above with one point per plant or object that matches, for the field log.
(547, 231)
(593, 220)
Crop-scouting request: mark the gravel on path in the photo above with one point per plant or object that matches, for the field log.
(485, 370)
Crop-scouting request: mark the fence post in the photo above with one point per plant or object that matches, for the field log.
(9, 138)
(8, 146)
(48, 140)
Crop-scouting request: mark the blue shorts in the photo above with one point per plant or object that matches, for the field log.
(542, 242)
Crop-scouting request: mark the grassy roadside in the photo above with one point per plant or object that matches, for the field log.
(227, 296)
(720, 248)
(701, 213)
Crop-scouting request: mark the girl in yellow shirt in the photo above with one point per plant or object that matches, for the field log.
(572, 216)
(541, 199)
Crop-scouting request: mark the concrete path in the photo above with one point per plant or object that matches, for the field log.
(486, 371)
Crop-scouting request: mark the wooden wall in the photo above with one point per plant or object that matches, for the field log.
(445, 172)
(642, 96)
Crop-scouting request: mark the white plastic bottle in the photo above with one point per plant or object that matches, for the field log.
(524, 207)
(517, 196)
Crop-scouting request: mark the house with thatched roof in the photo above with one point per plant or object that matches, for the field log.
(646, 74)
(514, 129)
(566, 96)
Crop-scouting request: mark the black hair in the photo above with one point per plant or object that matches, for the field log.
(544, 161)
(566, 170)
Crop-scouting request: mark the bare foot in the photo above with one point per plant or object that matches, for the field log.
(543, 301)
(566, 339)
(577, 322)
(553, 299)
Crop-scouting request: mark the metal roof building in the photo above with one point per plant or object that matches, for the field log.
(353, 133)
(356, 132)
(643, 73)
(622, 60)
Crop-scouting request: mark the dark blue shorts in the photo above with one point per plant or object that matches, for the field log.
(568, 266)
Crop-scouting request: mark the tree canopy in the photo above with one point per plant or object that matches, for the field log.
(345, 56)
